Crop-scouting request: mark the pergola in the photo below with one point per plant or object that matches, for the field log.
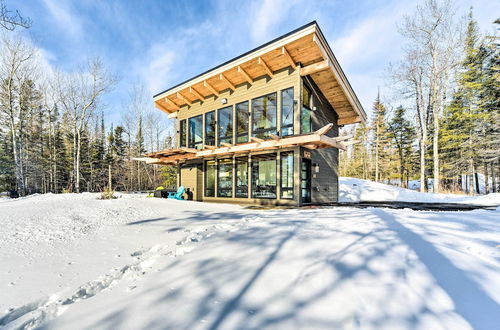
(315, 140)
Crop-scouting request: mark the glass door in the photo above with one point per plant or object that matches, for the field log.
(305, 180)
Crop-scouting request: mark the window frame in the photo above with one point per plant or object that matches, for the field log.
(265, 132)
(210, 141)
(191, 144)
(182, 133)
(237, 111)
(288, 188)
(206, 166)
(225, 161)
(306, 109)
(230, 131)
(241, 160)
(253, 176)
(290, 125)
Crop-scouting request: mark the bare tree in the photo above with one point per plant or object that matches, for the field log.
(10, 20)
(430, 54)
(16, 65)
(79, 94)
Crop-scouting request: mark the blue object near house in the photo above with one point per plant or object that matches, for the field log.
(176, 195)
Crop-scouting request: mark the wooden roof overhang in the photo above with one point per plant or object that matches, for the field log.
(315, 140)
(305, 49)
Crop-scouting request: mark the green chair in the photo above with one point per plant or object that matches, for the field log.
(177, 195)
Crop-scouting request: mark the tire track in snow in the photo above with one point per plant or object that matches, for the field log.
(34, 314)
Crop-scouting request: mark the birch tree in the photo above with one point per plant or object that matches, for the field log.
(79, 95)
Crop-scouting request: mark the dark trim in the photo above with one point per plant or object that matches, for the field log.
(244, 54)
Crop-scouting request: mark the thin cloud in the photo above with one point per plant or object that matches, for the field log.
(64, 17)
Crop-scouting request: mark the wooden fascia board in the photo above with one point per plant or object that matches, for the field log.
(211, 88)
(226, 81)
(349, 120)
(172, 115)
(264, 50)
(266, 67)
(339, 76)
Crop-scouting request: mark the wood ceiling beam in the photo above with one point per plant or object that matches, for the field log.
(225, 80)
(274, 137)
(225, 144)
(171, 103)
(290, 60)
(211, 88)
(206, 146)
(183, 98)
(245, 75)
(256, 139)
(348, 120)
(324, 129)
(195, 92)
(162, 108)
(343, 138)
(264, 65)
(313, 68)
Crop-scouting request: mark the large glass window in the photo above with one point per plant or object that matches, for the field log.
(210, 166)
(242, 119)
(182, 133)
(264, 176)
(225, 178)
(287, 112)
(225, 124)
(195, 137)
(306, 113)
(264, 115)
(210, 128)
(287, 175)
(242, 177)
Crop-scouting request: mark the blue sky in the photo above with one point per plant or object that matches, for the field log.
(161, 43)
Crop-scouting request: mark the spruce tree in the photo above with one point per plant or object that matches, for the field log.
(380, 142)
(402, 134)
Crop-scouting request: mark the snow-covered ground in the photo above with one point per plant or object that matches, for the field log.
(73, 261)
(357, 190)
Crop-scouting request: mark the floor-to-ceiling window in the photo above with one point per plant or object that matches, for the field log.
(182, 133)
(287, 107)
(210, 166)
(242, 119)
(225, 178)
(306, 112)
(195, 137)
(264, 176)
(264, 116)
(210, 128)
(225, 125)
(241, 177)
(286, 175)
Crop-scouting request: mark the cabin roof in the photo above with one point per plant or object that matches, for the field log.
(305, 49)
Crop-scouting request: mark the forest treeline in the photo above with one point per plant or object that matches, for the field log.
(440, 125)
(53, 135)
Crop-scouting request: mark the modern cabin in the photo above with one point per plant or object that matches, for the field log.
(263, 127)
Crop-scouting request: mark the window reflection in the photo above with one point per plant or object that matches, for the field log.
(264, 115)
(242, 177)
(195, 132)
(225, 119)
(225, 178)
(264, 176)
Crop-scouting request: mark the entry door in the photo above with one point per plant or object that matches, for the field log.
(305, 180)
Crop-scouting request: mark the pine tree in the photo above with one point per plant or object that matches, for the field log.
(380, 137)
(403, 135)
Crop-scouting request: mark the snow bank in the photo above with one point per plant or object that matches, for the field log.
(357, 190)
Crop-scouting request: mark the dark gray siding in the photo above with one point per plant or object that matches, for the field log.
(324, 184)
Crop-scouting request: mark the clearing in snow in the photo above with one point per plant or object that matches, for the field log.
(73, 261)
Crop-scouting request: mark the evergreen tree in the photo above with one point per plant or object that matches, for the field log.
(403, 135)
(380, 142)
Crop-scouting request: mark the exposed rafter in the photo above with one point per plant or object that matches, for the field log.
(245, 75)
(172, 115)
(264, 65)
(195, 92)
(227, 82)
(290, 60)
(171, 103)
(211, 88)
(256, 139)
(183, 98)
